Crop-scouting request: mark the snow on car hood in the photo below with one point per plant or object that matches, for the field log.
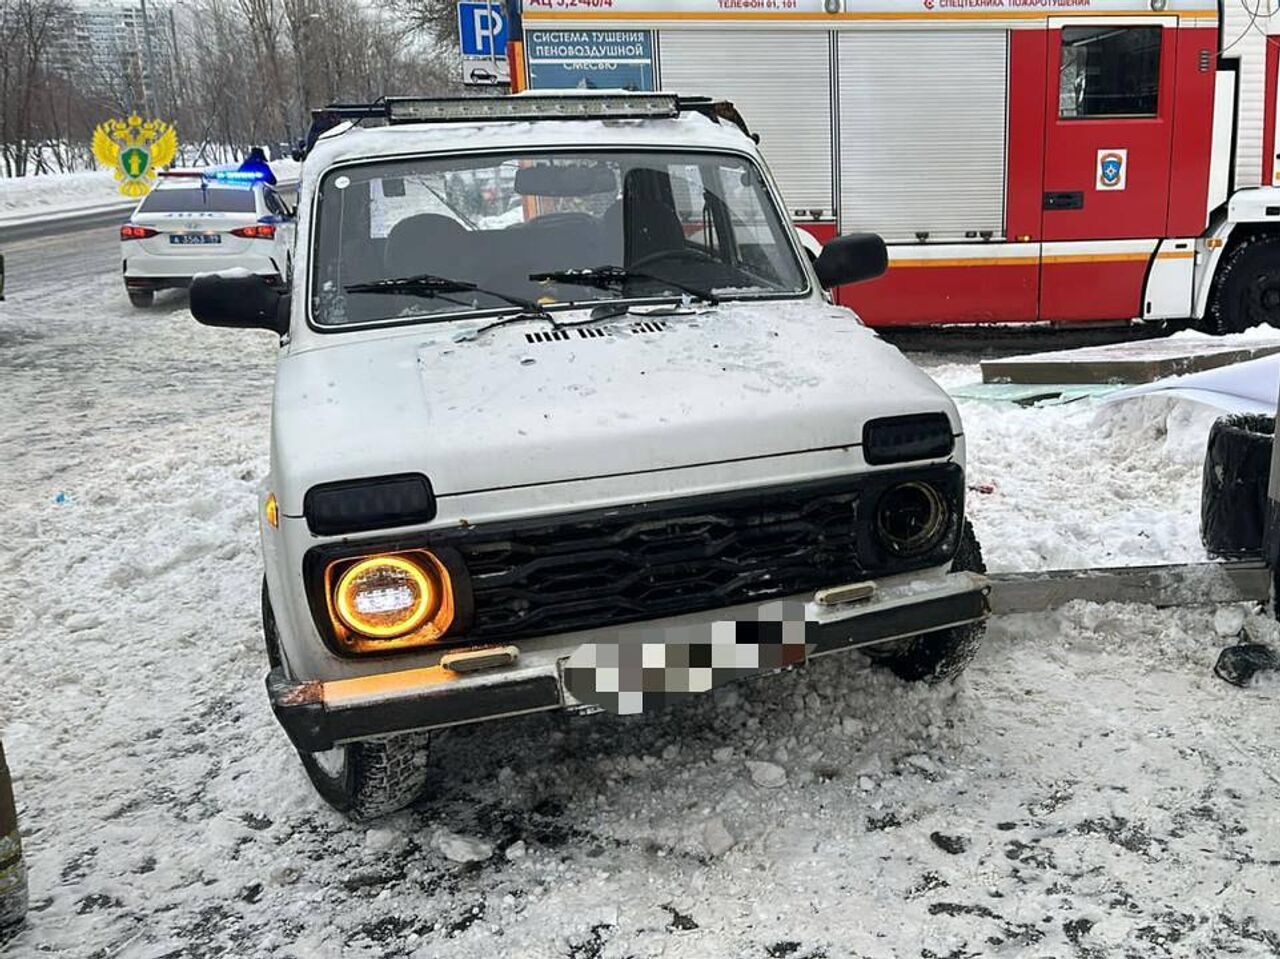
(524, 404)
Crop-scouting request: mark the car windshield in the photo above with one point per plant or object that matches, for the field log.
(196, 199)
(436, 238)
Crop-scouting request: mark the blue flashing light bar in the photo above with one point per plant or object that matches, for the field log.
(235, 176)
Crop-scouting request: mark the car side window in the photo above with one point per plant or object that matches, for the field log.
(274, 204)
(1109, 72)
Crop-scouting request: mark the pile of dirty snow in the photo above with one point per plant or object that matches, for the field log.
(1087, 483)
(57, 193)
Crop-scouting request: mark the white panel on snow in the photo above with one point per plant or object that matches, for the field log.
(922, 132)
(780, 81)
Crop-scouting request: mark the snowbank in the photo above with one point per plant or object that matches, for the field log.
(1082, 484)
(57, 193)
(64, 192)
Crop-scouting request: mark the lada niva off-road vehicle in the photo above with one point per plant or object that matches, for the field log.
(563, 420)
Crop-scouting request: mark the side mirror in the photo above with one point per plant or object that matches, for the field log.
(851, 259)
(243, 301)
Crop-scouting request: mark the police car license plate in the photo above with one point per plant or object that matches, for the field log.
(184, 238)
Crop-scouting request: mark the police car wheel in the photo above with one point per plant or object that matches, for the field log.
(142, 298)
(944, 653)
(1247, 291)
(366, 780)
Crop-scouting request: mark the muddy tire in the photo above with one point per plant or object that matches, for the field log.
(1246, 292)
(363, 780)
(943, 654)
(270, 631)
(142, 298)
(13, 872)
(369, 779)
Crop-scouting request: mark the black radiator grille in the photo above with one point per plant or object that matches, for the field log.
(662, 559)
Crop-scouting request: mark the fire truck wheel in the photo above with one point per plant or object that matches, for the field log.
(363, 780)
(1247, 291)
(944, 654)
(142, 298)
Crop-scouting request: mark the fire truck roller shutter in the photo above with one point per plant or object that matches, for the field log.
(922, 133)
(793, 117)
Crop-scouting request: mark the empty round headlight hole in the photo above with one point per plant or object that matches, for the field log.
(911, 518)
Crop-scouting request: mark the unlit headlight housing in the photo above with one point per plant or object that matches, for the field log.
(900, 439)
(379, 502)
(911, 518)
(390, 601)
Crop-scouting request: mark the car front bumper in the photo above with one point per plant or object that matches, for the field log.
(319, 715)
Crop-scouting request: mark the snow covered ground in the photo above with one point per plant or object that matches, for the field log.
(1089, 790)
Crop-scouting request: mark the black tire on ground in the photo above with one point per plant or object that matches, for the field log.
(373, 778)
(1246, 291)
(1233, 494)
(943, 654)
(270, 631)
(141, 298)
(13, 872)
(367, 779)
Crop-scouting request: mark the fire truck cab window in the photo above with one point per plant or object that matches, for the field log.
(1109, 72)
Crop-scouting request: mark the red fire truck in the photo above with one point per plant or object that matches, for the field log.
(1062, 161)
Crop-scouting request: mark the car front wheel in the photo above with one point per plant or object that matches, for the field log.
(13, 872)
(366, 779)
(944, 653)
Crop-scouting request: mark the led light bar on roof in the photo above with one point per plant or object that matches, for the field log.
(235, 176)
(619, 106)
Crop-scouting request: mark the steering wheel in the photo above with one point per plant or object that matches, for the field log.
(686, 253)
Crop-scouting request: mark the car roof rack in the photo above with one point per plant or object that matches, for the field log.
(542, 105)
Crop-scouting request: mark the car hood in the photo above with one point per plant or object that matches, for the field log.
(526, 404)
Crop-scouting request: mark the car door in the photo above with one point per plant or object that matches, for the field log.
(285, 222)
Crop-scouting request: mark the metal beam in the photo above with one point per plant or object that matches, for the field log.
(1191, 584)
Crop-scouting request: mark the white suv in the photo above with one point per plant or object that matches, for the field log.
(563, 420)
(201, 221)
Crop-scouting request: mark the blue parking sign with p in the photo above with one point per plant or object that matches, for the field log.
(482, 29)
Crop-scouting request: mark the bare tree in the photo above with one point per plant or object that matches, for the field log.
(234, 74)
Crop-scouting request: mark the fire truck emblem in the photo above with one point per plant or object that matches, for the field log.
(134, 150)
(1112, 166)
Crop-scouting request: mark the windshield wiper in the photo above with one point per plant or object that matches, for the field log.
(616, 277)
(427, 284)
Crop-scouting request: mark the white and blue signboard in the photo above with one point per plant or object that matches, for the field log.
(482, 28)
(589, 59)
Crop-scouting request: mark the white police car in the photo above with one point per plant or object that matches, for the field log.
(562, 421)
(198, 221)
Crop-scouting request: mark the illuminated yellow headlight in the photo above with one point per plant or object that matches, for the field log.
(394, 597)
